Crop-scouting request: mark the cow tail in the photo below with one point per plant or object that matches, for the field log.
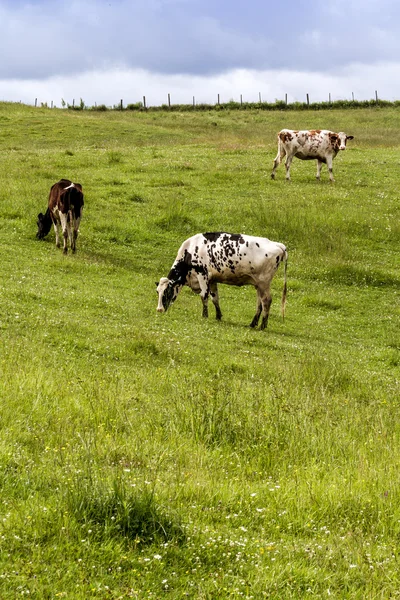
(284, 291)
(280, 147)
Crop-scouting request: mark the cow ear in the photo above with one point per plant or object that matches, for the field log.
(349, 137)
(157, 282)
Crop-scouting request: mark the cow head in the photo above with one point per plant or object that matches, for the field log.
(338, 140)
(44, 224)
(167, 292)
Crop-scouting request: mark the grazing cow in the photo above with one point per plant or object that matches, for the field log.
(207, 259)
(65, 209)
(320, 145)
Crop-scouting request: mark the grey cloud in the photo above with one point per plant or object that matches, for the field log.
(174, 36)
(77, 39)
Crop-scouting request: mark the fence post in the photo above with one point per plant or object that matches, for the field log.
(52, 104)
(144, 101)
(352, 96)
(35, 101)
(169, 101)
(308, 100)
(194, 103)
(218, 99)
(241, 99)
(259, 97)
(330, 98)
(376, 96)
(286, 99)
(121, 105)
(73, 102)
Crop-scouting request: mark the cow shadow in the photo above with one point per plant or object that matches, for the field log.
(103, 258)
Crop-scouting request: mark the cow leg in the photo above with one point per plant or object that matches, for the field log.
(329, 161)
(64, 227)
(76, 232)
(204, 293)
(74, 237)
(70, 232)
(73, 240)
(319, 165)
(256, 317)
(55, 225)
(277, 161)
(205, 306)
(288, 162)
(71, 229)
(266, 300)
(215, 299)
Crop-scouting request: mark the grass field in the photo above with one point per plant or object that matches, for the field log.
(150, 456)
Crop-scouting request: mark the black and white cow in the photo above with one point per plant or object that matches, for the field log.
(65, 209)
(207, 259)
(316, 144)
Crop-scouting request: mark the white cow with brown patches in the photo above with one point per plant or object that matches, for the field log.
(206, 259)
(315, 144)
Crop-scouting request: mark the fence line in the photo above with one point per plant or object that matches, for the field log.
(145, 105)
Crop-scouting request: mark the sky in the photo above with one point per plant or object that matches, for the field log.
(105, 51)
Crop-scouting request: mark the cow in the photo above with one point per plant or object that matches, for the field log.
(317, 144)
(65, 209)
(206, 259)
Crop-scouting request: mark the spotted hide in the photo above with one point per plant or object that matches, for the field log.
(316, 144)
(207, 259)
(65, 209)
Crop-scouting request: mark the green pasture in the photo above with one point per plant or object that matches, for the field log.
(150, 456)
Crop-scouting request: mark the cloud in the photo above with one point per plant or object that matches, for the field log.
(361, 8)
(110, 86)
(73, 37)
(42, 39)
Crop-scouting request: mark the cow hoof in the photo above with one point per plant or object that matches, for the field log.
(272, 175)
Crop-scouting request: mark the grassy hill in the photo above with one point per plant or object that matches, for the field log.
(146, 455)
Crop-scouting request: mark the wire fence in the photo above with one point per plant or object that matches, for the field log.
(231, 104)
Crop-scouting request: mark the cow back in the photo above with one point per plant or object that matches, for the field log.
(65, 198)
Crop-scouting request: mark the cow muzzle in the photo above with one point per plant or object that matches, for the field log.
(160, 309)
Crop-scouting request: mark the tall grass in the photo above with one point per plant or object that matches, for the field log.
(146, 455)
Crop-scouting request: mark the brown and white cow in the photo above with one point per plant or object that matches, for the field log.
(316, 144)
(206, 259)
(65, 209)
